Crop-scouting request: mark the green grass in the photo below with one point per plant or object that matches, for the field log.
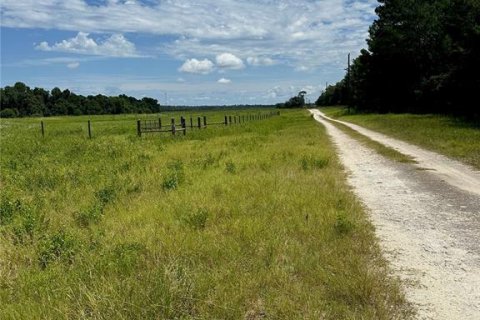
(240, 222)
(377, 146)
(450, 136)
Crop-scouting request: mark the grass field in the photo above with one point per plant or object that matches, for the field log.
(242, 222)
(451, 136)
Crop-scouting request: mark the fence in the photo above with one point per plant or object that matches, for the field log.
(152, 126)
(181, 127)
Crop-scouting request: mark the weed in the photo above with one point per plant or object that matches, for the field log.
(309, 162)
(61, 245)
(175, 175)
(208, 161)
(8, 209)
(196, 220)
(84, 218)
(126, 255)
(343, 225)
(24, 229)
(230, 167)
(171, 181)
(105, 195)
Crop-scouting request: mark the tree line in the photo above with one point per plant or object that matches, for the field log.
(423, 56)
(297, 101)
(20, 101)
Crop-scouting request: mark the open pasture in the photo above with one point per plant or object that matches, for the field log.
(248, 221)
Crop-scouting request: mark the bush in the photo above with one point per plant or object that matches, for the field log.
(9, 113)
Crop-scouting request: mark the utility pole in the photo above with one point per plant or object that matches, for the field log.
(348, 84)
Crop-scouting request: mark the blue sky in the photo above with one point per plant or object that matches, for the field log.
(183, 52)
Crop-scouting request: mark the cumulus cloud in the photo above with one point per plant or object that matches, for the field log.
(229, 61)
(224, 81)
(311, 33)
(114, 46)
(204, 66)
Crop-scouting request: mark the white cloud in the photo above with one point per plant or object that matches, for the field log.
(224, 81)
(295, 32)
(260, 61)
(114, 46)
(229, 61)
(73, 65)
(204, 66)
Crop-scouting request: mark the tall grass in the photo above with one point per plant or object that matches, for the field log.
(454, 137)
(250, 221)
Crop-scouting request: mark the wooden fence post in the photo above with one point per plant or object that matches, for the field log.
(89, 130)
(191, 122)
(226, 121)
(230, 119)
(173, 126)
(139, 128)
(199, 122)
(184, 126)
(42, 127)
(159, 123)
(205, 122)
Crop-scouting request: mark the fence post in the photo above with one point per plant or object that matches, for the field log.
(184, 126)
(230, 119)
(159, 123)
(139, 128)
(42, 127)
(199, 122)
(205, 121)
(173, 126)
(191, 122)
(226, 121)
(89, 130)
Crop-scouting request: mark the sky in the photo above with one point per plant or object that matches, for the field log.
(183, 52)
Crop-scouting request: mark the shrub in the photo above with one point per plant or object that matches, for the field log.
(9, 113)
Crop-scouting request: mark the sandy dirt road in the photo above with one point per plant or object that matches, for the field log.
(428, 221)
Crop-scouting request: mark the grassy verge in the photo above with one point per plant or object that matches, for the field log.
(250, 221)
(381, 149)
(450, 136)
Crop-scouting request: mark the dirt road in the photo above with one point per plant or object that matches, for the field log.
(428, 221)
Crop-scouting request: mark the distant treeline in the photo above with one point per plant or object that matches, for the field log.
(423, 56)
(21, 101)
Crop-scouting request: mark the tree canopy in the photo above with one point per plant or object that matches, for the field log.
(423, 56)
(20, 101)
(297, 101)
